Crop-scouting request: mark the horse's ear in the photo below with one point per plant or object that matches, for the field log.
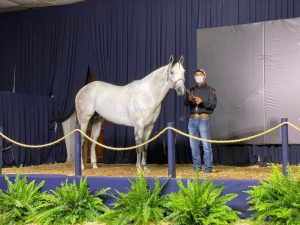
(181, 59)
(171, 59)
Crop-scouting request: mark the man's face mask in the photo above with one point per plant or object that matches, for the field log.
(200, 79)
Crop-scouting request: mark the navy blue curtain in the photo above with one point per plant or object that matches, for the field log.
(45, 54)
(23, 119)
(129, 39)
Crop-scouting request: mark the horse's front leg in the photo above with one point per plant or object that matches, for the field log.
(138, 134)
(83, 121)
(147, 133)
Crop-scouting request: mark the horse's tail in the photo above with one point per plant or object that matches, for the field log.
(96, 118)
(77, 121)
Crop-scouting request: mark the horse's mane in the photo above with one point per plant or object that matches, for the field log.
(153, 72)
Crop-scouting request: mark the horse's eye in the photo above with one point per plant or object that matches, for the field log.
(172, 72)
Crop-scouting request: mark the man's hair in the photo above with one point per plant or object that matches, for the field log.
(200, 70)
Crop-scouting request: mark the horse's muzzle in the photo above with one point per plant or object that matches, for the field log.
(181, 91)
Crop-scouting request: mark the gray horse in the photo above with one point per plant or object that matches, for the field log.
(136, 104)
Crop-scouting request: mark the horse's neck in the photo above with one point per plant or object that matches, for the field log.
(159, 83)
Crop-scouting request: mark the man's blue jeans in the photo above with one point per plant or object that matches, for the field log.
(200, 127)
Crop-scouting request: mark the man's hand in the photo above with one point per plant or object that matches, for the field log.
(198, 100)
(190, 98)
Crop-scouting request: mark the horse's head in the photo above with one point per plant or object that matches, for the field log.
(176, 75)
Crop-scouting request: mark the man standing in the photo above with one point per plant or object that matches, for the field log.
(202, 100)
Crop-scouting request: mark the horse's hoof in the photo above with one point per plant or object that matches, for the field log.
(146, 169)
(95, 166)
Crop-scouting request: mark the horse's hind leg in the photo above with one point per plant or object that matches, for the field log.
(83, 120)
(83, 127)
(85, 110)
(96, 129)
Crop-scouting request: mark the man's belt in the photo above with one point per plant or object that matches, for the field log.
(200, 115)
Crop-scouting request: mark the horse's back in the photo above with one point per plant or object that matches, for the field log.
(92, 88)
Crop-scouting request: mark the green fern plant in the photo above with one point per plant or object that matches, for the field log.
(19, 201)
(276, 200)
(139, 206)
(69, 204)
(200, 203)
